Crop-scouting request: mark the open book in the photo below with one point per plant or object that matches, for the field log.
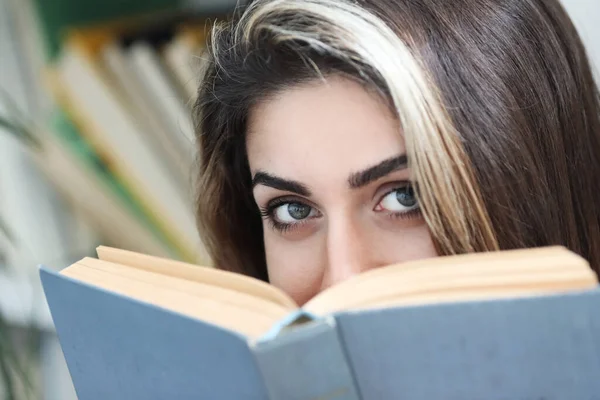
(334, 336)
(253, 307)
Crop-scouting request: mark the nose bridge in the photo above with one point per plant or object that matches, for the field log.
(347, 248)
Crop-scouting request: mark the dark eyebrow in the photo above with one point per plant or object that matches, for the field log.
(371, 174)
(263, 178)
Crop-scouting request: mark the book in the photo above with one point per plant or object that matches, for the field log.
(513, 324)
(151, 117)
(87, 93)
(176, 110)
(56, 18)
(185, 58)
(81, 177)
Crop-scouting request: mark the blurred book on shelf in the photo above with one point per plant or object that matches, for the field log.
(118, 141)
(107, 89)
(154, 175)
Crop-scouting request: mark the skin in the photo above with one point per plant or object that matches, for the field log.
(308, 150)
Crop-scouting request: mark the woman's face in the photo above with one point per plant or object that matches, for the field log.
(328, 164)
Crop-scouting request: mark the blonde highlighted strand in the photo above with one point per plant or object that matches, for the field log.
(477, 104)
(449, 194)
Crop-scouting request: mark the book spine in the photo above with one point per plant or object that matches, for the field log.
(306, 361)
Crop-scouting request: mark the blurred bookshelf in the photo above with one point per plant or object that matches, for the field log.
(106, 87)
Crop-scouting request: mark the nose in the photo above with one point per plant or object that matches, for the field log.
(349, 250)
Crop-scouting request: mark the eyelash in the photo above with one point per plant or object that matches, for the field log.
(406, 214)
(268, 212)
(402, 215)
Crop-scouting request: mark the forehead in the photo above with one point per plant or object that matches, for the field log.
(326, 128)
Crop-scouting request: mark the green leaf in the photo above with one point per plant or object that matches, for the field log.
(13, 369)
(22, 133)
(5, 231)
(14, 122)
(6, 361)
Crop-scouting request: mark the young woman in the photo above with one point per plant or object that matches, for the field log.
(338, 136)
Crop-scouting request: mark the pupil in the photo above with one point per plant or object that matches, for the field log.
(406, 197)
(298, 211)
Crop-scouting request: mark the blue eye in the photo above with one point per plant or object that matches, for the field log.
(399, 200)
(289, 213)
(285, 214)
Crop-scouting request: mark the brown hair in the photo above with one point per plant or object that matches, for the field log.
(497, 102)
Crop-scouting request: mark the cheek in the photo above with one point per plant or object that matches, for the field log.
(405, 245)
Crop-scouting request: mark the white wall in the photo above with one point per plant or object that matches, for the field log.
(586, 17)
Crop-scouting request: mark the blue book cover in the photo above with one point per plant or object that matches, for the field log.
(544, 346)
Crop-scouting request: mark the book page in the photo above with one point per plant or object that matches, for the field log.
(210, 276)
(491, 274)
(227, 315)
(216, 293)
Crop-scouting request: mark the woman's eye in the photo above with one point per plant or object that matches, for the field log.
(290, 213)
(399, 200)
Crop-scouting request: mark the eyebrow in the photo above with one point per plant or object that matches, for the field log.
(371, 174)
(356, 180)
(263, 178)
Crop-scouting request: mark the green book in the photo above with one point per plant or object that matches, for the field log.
(55, 17)
(67, 133)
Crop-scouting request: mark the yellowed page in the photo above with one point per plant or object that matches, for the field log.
(469, 288)
(472, 294)
(479, 269)
(206, 275)
(241, 320)
(215, 293)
